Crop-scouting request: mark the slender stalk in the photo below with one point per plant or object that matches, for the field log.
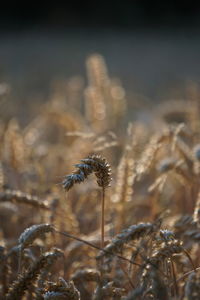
(190, 259)
(174, 279)
(96, 247)
(102, 217)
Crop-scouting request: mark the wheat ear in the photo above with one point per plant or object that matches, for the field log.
(101, 168)
(18, 287)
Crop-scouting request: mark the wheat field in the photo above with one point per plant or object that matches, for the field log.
(96, 206)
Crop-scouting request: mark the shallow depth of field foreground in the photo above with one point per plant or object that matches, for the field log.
(97, 202)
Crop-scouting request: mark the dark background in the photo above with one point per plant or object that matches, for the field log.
(152, 46)
(115, 14)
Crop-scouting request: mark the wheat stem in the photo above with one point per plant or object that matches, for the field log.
(102, 217)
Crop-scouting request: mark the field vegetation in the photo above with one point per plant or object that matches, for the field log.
(95, 205)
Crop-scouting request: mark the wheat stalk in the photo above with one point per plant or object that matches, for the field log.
(92, 164)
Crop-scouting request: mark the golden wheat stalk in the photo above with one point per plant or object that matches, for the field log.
(101, 168)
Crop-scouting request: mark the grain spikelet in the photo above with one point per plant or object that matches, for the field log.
(148, 157)
(167, 250)
(20, 197)
(105, 101)
(124, 187)
(95, 109)
(93, 163)
(62, 290)
(117, 99)
(18, 287)
(134, 232)
(95, 105)
(97, 71)
(33, 232)
(125, 180)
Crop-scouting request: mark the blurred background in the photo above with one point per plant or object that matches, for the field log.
(152, 46)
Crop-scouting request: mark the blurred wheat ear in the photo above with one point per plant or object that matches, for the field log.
(102, 170)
